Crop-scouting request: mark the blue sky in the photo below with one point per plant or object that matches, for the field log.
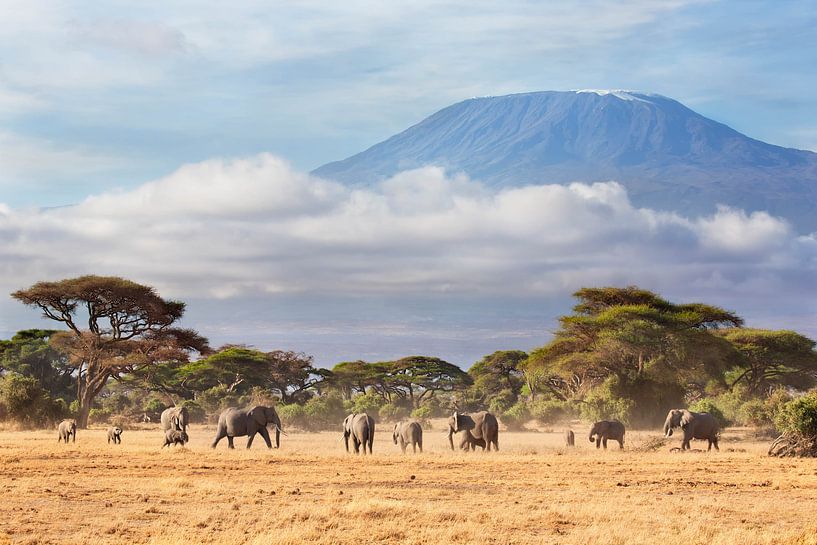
(97, 95)
(182, 136)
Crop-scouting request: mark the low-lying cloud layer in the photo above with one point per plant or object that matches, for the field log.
(254, 228)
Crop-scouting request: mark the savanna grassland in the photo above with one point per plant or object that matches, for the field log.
(533, 491)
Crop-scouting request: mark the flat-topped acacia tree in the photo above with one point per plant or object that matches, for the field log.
(129, 327)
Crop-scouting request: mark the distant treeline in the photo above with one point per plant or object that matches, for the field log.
(624, 353)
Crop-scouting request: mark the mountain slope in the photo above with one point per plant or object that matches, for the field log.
(668, 156)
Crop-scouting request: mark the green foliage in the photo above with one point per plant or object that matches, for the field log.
(423, 413)
(154, 407)
(770, 359)
(603, 404)
(647, 351)
(710, 406)
(502, 401)
(370, 402)
(497, 374)
(292, 416)
(26, 402)
(392, 412)
(30, 354)
(99, 415)
(799, 416)
(549, 411)
(195, 411)
(515, 416)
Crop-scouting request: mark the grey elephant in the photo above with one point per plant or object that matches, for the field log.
(469, 442)
(66, 429)
(360, 427)
(607, 429)
(235, 422)
(115, 434)
(408, 433)
(175, 418)
(694, 426)
(175, 437)
(570, 438)
(479, 426)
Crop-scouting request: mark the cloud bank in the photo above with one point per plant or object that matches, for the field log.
(255, 229)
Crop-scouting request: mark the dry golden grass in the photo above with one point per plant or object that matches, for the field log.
(533, 491)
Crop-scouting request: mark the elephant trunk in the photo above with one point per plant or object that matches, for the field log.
(667, 428)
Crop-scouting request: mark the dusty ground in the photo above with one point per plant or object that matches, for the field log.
(533, 491)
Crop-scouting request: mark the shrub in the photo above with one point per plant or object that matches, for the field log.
(392, 412)
(516, 416)
(27, 402)
(195, 411)
(422, 413)
(370, 402)
(600, 404)
(707, 405)
(548, 411)
(799, 416)
(99, 415)
(323, 412)
(754, 412)
(502, 401)
(292, 416)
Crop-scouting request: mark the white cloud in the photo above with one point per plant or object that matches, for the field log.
(229, 228)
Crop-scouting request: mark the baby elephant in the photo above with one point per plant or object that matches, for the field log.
(115, 434)
(175, 437)
(469, 442)
(607, 429)
(570, 438)
(67, 428)
(408, 433)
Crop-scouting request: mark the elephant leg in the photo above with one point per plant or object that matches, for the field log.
(265, 434)
(219, 436)
(598, 442)
(250, 437)
(230, 441)
(621, 443)
(604, 443)
(356, 445)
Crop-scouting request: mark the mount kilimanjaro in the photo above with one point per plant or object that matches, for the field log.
(666, 155)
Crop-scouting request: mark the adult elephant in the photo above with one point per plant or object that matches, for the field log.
(479, 426)
(235, 422)
(175, 418)
(67, 429)
(694, 426)
(607, 429)
(408, 433)
(360, 427)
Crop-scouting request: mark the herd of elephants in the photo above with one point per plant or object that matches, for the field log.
(480, 429)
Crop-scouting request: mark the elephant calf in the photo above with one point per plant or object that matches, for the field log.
(570, 438)
(408, 433)
(175, 437)
(66, 429)
(607, 429)
(115, 434)
(469, 442)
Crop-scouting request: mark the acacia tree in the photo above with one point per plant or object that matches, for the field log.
(629, 343)
(770, 359)
(129, 326)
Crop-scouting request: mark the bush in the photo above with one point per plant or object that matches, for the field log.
(324, 412)
(99, 415)
(516, 416)
(292, 416)
(600, 404)
(28, 403)
(153, 408)
(195, 411)
(370, 402)
(502, 401)
(422, 413)
(754, 412)
(548, 411)
(799, 416)
(707, 405)
(393, 412)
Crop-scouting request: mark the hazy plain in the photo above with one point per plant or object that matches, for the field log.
(533, 491)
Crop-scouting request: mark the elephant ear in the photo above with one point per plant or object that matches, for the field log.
(456, 418)
(686, 418)
(257, 414)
